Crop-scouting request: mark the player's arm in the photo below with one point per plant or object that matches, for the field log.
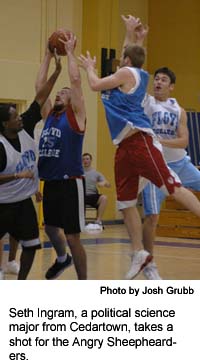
(77, 99)
(182, 134)
(33, 114)
(131, 24)
(44, 89)
(119, 78)
(102, 181)
(140, 34)
(136, 32)
(42, 79)
(4, 178)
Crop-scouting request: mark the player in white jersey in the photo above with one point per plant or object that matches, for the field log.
(18, 173)
(169, 122)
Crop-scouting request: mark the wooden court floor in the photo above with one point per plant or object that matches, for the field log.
(108, 257)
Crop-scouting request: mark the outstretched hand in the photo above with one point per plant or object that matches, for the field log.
(131, 23)
(141, 32)
(87, 61)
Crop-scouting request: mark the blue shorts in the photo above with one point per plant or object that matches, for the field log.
(189, 176)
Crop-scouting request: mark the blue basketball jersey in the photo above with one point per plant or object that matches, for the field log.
(60, 147)
(124, 109)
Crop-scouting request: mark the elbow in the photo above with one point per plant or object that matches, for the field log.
(185, 143)
(94, 86)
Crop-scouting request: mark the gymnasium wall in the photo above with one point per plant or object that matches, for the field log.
(174, 41)
(25, 27)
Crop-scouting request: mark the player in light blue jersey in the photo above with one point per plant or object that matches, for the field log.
(138, 156)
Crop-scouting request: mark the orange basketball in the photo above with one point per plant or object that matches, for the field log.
(54, 41)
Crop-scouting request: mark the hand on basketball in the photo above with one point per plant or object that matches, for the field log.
(69, 42)
(131, 23)
(48, 53)
(87, 61)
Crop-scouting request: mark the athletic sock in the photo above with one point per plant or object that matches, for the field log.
(62, 259)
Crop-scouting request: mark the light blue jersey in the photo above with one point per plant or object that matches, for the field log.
(124, 111)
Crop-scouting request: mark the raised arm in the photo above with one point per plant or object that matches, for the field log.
(77, 100)
(181, 141)
(140, 34)
(119, 78)
(136, 32)
(44, 88)
(131, 23)
(42, 79)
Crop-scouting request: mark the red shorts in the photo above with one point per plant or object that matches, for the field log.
(136, 157)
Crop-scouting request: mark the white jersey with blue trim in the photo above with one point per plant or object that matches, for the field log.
(165, 117)
(124, 111)
(22, 188)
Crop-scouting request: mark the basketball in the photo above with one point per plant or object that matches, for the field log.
(54, 41)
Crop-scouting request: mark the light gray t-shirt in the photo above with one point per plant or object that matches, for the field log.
(92, 177)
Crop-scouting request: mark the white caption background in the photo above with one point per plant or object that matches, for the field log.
(116, 338)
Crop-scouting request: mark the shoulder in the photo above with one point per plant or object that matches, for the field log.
(125, 72)
(34, 107)
(173, 102)
(148, 100)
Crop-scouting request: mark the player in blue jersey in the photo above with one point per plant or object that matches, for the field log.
(138, 156)
(60, 166)
(169, 123)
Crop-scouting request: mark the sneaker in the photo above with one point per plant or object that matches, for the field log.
(139, 260)
(92, 227)
(101, 227)
(1, 274)
(12, 267)
(151, 271)
(57, 268)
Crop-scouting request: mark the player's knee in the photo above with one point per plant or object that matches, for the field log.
(152, 220)
(103, 199)
(73, 239)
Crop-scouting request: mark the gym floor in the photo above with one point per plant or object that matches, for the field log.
(108, 257)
